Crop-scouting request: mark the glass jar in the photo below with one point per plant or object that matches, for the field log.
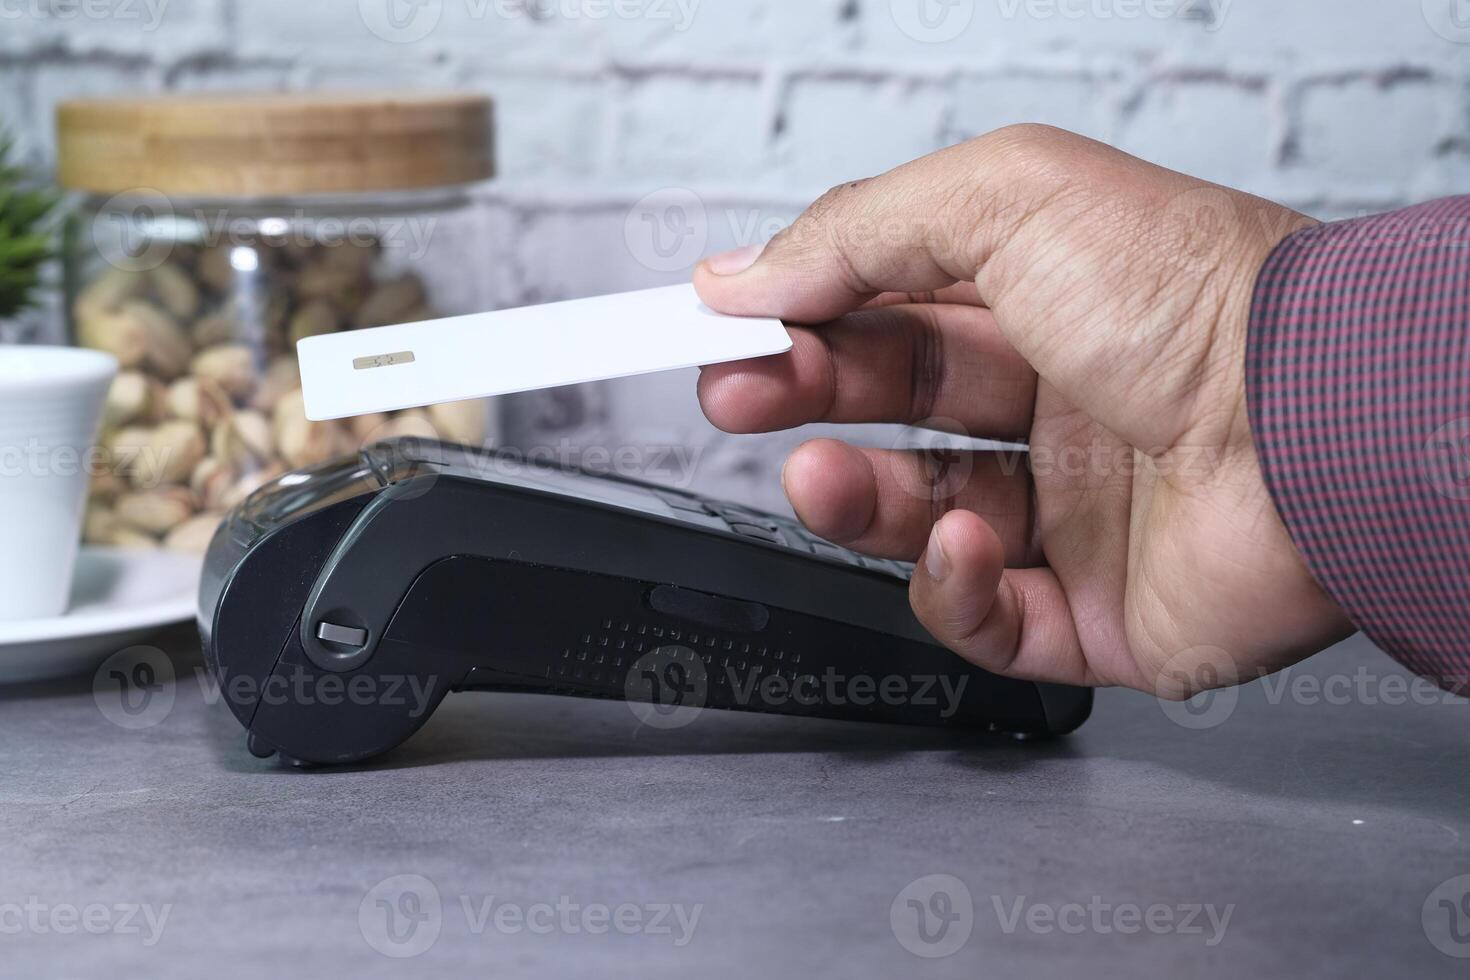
(202, 271)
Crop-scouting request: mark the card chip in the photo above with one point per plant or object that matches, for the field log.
(383, 360)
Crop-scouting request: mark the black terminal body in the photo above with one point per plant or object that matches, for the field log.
(340, 604)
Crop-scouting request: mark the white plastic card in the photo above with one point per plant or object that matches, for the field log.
(384, 369)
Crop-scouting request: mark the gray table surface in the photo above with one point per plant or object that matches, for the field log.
(1322, 822)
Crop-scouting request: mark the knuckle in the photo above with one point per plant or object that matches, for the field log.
(833, 196)
(840, 234)
(1008, 179)
(832, 205)
(831, 210)
(816, 226)
(1024, 144)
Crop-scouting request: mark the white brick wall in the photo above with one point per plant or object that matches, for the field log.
(1237, 152)
(740, 111)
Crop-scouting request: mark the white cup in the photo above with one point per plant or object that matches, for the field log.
(51, 402)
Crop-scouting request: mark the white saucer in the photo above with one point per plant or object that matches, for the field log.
(118, 597)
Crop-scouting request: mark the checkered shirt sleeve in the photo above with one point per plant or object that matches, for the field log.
(1358, 382)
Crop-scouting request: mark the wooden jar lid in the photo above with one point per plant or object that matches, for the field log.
(274, 144)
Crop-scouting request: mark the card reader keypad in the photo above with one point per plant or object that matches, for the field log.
(775, 530)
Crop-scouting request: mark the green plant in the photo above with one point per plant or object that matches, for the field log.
(26, 240)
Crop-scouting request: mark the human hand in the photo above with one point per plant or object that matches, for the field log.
(1034, 285)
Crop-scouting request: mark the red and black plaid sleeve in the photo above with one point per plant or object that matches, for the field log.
(1358, 378)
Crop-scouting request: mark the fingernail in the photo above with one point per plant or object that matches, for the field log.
(735, 262)
(936, 562)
